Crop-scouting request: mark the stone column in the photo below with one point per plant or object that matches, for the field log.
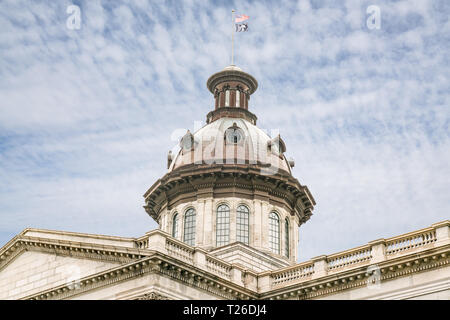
(296, 239)
(264, 228)
(256, 227)
(282, 232)
(207, 226)
(199, 223)
(233, 207)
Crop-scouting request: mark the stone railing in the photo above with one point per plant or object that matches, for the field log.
(218, 267)
(373, 253)
(352, 257)
(141, 243)
(411, 241)
(180, 250)
(300, 272)
(160, 241)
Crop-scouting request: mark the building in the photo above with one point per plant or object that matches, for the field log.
(228, 211)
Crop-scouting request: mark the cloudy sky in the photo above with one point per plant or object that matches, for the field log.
(87, 116)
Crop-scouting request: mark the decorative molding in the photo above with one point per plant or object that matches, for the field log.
(245, 182)
(156, 263)
(198, 269)
(152, 296)
(334, 283)
(70, 249)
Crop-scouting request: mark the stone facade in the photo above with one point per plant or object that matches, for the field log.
(41, 264)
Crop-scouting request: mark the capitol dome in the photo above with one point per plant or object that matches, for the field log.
(230, 184)
(232, 141)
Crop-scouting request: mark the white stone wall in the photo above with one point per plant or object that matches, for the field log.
(33, 271)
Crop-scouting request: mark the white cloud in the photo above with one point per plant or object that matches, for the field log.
(87, 116)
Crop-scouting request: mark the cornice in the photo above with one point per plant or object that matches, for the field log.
(358, 277)
(198, 278)
(192, 181)
(229, 76)
(85, 250)
(155, 263)
(231, 112)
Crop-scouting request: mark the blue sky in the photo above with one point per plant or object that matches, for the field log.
(88, 116)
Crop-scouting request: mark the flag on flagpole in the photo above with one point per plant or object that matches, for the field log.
(241, 27)
(241, 18)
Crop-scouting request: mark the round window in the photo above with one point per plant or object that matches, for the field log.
(234, 135)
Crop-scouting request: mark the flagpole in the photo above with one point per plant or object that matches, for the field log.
(232, 37)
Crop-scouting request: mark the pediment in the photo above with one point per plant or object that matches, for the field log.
(32, 271)
(38, 260)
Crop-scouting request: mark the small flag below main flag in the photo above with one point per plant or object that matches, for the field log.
(241, 18)
(241, 27)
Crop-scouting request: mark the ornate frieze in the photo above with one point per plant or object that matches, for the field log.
(153, 296)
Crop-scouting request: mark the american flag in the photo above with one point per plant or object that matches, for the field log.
(241, 17)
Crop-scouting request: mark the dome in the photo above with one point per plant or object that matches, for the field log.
(232, 141)
(231, 163)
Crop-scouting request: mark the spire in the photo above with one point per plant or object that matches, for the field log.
(231, 88)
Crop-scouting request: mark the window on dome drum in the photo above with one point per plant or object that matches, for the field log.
(227, 98)
(238, 98)
(223, 225)
(189, 227)
(175, 226)
(274, 232)
(286, 238)
(242, 223)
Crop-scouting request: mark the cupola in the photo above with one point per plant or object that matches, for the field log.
(231, 88)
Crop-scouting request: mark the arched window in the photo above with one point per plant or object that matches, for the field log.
(175, 225)
(238, 98)
(189, 227)
(242, 223)
(286, 237)
(274, 232)
(223, 225)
